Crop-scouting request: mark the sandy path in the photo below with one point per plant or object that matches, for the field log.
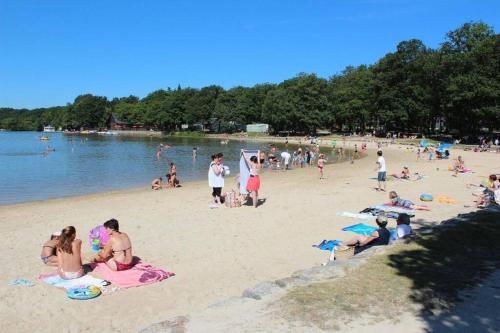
(215, 253)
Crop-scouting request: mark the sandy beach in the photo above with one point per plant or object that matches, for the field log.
(215, 253)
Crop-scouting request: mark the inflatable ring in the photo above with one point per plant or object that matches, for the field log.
(83, 293)
(426, 197)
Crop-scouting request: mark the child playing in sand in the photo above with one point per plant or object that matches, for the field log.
(321, 165)
(156, 184)
(398, 202)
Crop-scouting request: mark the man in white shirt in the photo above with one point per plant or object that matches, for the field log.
(286, 158)
(381, 171)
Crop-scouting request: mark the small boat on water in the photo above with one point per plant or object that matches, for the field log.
(49, 128)
(43, 138)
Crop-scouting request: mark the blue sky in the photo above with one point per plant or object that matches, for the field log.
(53, 50)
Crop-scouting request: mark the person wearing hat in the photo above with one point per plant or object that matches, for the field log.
(380, 236)
(49, 254)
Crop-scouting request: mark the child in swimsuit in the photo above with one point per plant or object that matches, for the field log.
(49, 254)
(321, 165)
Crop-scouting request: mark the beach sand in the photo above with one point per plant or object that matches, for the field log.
(215, 253)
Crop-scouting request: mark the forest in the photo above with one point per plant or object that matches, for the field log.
(408, 90)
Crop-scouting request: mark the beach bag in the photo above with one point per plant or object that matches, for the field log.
(426, 197)
(344, 252)
(231, 200)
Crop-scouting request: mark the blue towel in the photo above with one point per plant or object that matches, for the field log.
(328, 245)
(360, 229)
(363, 229)
(21, 282)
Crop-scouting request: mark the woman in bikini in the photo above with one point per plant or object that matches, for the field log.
(49, 253)
(69, 255)
(117, 252)
(321, 165)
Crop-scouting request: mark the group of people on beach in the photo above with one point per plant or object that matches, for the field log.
(217, 172)
(171, 179)
(64, 251)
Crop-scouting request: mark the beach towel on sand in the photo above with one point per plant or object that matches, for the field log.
(328, 245)
(395, 209)
(363, 229)
(139, 275)
(361, 216)
(87, 280)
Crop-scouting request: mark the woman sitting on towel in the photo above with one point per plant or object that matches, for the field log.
(69, 255)
(381, 236)
(117, 252)
(398, 202)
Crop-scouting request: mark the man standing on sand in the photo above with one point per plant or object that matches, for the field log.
(381, 171)
(285, 157)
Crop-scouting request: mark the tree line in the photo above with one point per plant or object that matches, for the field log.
(408, 90)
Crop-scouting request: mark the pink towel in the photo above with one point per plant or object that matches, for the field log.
(140, 274)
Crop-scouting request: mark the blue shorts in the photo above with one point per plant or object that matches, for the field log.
(381, 176)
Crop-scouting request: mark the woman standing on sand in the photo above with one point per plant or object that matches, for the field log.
(253, 184)
(216, 177)
(69, 255)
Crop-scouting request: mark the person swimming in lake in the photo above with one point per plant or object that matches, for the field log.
(117, 253)
(49, 249)
(69, 254)
(156, 184)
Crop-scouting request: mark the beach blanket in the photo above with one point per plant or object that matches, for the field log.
(139, 275)
(360, 216)
(328, 245)
(446, 200)
(245, 168)
(360, 229)
(376, 212)
(87, 280)
(395, 209)
(363, 229)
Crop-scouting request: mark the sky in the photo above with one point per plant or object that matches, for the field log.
(54, 50)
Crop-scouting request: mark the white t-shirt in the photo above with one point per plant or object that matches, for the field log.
(286, 156)
(401, 231)
(213, 179)
(381, 162)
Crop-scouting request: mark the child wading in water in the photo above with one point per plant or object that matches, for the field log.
(321, 165)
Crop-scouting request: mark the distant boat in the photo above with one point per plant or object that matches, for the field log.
(49, 129)
(43, 138)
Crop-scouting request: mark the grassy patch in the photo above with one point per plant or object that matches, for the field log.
(423, 275)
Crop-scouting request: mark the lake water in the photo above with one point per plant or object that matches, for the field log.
(83, 164)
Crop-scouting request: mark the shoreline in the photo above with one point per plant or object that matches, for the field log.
(215, 253)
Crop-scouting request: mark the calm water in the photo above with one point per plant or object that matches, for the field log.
(94, 163)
